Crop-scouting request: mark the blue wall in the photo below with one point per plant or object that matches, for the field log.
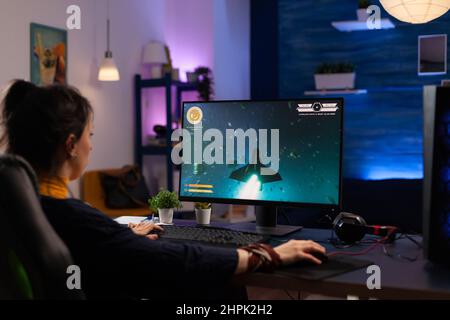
(383, 129)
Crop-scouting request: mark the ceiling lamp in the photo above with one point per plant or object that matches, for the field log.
(108, 69)
(416, 11)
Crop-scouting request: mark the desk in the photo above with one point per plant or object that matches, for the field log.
(400, 278)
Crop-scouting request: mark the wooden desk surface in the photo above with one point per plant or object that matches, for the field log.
(400, 277)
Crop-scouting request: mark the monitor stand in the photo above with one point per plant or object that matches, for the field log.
(266, 223)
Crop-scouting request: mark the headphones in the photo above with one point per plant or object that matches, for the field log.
(351, 228)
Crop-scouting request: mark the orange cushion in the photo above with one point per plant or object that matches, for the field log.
(92, 193)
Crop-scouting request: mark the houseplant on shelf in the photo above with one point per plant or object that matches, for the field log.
(361, 12)
(203, 212)
(164, 202)
(330, 76)
(205, 83)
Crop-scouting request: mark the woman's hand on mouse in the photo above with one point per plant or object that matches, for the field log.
(144, 228)
(299, 250)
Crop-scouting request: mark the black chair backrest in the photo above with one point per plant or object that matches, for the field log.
(27, 236)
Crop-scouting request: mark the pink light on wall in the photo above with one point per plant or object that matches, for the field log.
(189, 34)
(153, 110)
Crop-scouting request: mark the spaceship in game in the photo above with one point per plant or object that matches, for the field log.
(244, 173)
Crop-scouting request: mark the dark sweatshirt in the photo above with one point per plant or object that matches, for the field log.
(116, 263)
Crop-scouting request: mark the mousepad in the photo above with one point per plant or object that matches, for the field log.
(333, 267)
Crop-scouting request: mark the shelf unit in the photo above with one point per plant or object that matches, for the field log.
(356, 25)
(334, 92)
(363, 91)
(142, 150)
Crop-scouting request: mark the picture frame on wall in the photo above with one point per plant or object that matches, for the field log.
(48, 55)
(432, 55)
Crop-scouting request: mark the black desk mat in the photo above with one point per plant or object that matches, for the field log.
(333, 267)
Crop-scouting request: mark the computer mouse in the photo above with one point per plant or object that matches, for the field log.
(307, 263)
(321, 256)
(156, 231)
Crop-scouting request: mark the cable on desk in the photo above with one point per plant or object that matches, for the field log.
(358, 253)
(382, 241)
(401, 256)
(407, 236)
(373, 243)
(368, 249)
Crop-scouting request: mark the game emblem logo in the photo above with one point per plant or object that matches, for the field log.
(195, 115)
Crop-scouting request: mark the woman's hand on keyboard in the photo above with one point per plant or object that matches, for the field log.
(299, 250)
(144, 228)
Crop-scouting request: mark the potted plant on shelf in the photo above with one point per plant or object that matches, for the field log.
(330, 76)
(165, 202)
(361, 12)
(203, 212)
(205, 83)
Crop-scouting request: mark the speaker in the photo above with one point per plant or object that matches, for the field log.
(436, 185)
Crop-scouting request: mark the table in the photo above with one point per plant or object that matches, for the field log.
(400, 278)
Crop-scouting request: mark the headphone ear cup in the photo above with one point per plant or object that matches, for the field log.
(349, 228)
(350, 233)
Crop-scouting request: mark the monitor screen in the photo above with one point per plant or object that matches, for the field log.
(270, 152)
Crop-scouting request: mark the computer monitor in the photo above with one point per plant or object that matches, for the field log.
(285, 153)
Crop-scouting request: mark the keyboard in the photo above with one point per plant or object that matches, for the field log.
(208, 235)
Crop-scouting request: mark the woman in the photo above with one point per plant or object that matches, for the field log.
(51, 128)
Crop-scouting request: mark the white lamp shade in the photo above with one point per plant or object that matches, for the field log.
(416, 11)
(108, 70)
(154, 52)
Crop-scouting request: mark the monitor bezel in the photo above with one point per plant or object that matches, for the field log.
(265, 202)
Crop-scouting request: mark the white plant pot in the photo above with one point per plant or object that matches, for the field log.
(362, 14)
(335, 81)
(165, 216)
(203, 216)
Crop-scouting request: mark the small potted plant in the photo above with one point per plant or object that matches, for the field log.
(361, 12)
(165, 202)
(203, 212)
(205, 83)
(331, 76)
